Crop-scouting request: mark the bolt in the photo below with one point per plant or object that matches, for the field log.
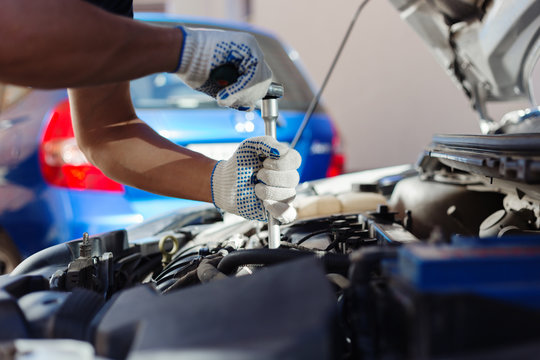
(382, 209)
(85, 249)
(408, 220)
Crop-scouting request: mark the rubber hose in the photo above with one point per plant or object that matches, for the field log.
(365, 259)
(207, 272)
(231, 262)
(338, 263)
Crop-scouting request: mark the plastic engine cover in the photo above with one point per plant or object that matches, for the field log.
(236, 318)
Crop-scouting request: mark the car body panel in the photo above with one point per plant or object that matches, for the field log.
(489, 51)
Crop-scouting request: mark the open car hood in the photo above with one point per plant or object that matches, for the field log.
(489, 47)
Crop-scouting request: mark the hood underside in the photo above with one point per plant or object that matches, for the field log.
(488, 47)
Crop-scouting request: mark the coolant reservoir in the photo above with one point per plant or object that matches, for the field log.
(325, 205)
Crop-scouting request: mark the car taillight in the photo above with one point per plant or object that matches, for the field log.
(337, 159)
(63, 163)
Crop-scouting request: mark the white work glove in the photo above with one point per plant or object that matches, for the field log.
(260, 175)
(204, 50)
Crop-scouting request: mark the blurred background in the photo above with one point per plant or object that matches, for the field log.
(387, 94)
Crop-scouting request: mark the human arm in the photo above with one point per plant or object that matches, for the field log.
(129, 151)
(67, 43)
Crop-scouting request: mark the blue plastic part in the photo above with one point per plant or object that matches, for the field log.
(487, 267)
(518, 240)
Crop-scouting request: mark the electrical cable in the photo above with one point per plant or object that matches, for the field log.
(310, 235)
(317, 97)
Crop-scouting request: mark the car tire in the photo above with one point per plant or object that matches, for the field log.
(9, 255)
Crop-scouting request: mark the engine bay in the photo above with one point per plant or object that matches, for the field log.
(440, 261)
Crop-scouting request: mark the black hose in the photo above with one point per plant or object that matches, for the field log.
(228, 265)
(338, 263)
(232, 261)
(206, 271)
(365, 259)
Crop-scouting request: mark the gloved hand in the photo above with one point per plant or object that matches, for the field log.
(204, 50)
(260, 175)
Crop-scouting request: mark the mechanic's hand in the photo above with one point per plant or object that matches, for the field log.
(260, 175)
(204, 50)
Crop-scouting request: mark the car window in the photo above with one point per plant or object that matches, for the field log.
(168, 91)
(10, 94)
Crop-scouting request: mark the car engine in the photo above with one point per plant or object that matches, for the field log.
(437, 261)
(440, 260)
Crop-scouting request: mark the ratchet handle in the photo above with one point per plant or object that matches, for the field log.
(224, 75)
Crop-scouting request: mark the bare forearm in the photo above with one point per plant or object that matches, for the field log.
(135, 155)
(67, 43)
(129, 151)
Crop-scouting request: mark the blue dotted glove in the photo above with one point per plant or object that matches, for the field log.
(261, 176)
(204, 50)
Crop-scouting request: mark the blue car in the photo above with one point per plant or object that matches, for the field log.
(50, 193)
